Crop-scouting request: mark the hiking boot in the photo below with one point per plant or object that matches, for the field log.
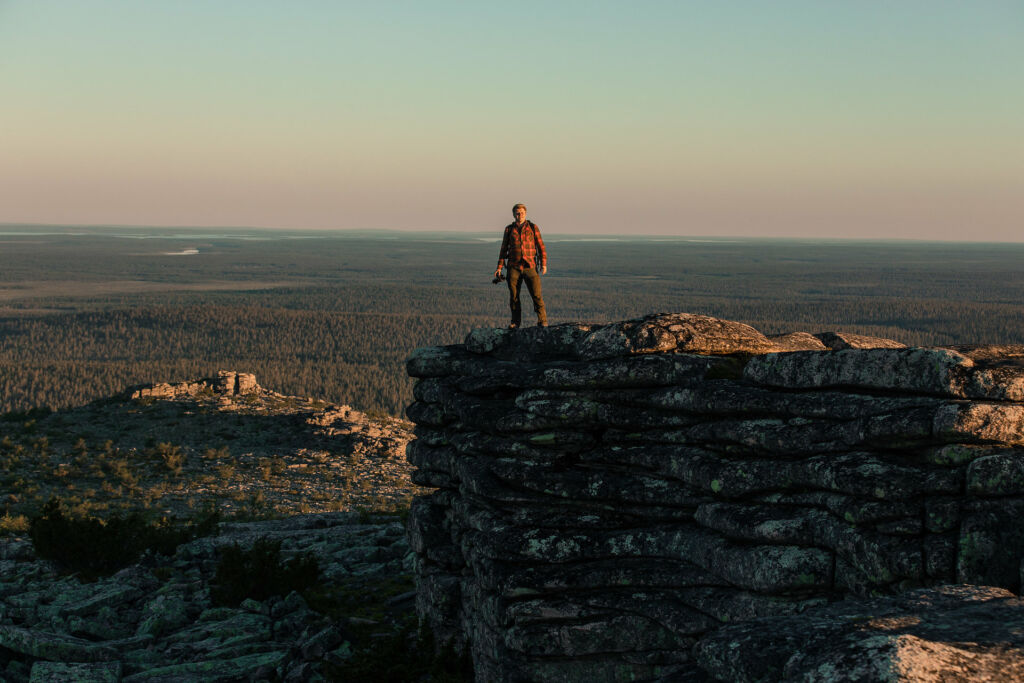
(513, 326)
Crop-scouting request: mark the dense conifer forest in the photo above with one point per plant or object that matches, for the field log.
(84, 315)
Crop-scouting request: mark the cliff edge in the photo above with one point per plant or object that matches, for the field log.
(609, 497)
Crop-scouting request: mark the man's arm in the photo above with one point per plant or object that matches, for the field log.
(502, 253)
(541, 250)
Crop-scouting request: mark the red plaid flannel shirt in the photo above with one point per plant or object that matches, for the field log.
(523, 242)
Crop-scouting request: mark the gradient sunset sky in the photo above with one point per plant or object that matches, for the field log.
(823, 118)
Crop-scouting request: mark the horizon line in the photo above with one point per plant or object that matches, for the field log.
(598, 236)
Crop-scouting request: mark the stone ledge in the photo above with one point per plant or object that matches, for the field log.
(610, 494)
(950, 633)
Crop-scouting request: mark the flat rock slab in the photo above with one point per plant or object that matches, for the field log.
(62, 672)
(797, 341)
(659, 333)
(986, 355)
(838, 341)
(253, 667)
(529, 343)
(91, 604)
(929, 371)
(53, 646)
(950, 633)
(993, 372)
(672, 332)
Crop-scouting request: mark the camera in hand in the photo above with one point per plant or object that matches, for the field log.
(499, 278)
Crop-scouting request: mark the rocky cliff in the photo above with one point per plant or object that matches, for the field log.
(609, 496)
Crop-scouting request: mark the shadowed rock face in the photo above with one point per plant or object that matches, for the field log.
(609, 495)
(160, 624)
(953, 633)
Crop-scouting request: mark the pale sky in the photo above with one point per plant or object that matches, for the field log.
(828, 118)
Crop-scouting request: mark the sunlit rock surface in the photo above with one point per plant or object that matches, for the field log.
(227, 383)
(610, 495)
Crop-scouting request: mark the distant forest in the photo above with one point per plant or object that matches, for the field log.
(334, 316)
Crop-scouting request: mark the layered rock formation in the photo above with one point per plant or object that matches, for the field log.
(227, 383)
(609, 494)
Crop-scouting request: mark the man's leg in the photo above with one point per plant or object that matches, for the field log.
(515, 282)
(532, 278)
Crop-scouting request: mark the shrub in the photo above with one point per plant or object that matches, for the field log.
(405, 656)
(217, 453)
(266, 468)
(22, 415)
(94, 547)
(172, 456)
(259, 572)
(122, 470)
(13, 524)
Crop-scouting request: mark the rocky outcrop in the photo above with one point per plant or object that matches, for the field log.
(608, 495)
(182, 447)
(156, 621)
(227, 383)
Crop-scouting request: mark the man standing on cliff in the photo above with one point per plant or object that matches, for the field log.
(523, 254)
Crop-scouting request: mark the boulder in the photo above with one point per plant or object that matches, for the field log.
(796, 341)
(837, 341)
(672, 332)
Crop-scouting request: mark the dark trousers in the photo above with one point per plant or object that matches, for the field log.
(516, 277)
